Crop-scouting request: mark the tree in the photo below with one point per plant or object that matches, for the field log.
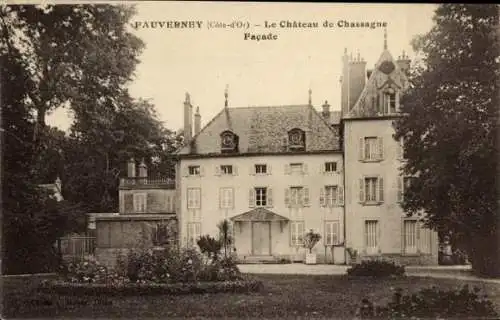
(225, 236)
(449, 131)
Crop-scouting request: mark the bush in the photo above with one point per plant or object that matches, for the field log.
(89, 271)
(432, 303)
(376, 268)
(209, 246)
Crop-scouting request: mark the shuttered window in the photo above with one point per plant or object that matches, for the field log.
(193, 233)
(410, 236)
(371, 236)
(193, 198)
(297, 230)
(371, 190)
(226, 198)
(371, 149)
(331, 233)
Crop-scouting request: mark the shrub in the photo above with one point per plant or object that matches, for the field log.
(432, 303)
(310, 239)
(89, 271)
(209, 246)
(376, 268)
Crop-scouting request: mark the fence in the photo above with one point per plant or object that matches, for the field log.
(76, 246)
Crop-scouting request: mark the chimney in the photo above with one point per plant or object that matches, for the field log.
(131, 168)
(357, 79)
(188, 119)
(143, 169)
(368, 73)
(404, 63)
(326, 110)
(197, 121)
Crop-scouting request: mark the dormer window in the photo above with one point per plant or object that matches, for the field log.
(229, 142)
(296, 139)
(389, 103)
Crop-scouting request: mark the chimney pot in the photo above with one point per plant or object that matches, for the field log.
(131, 168)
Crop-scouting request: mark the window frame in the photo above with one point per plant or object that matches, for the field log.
(335, 228)
(224, 203)
(196, 202)
(136, 203)
(415, 239)
(298, 240)
(264, 197)
(333, 164)
(372, 250)
(260, 165)
(226, 166)
(192, 168)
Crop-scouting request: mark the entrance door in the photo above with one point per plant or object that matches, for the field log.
(261, 238)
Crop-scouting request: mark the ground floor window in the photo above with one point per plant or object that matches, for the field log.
(371, 236)
(410, 236)
(331, 233)
(193, 233)
(297, 230)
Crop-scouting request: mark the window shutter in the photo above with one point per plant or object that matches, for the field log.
(361, 190)
(251, 198)
(269, 197)
(306, 197)
(221, 198)
(361, 149)
(268, 169)
(231, 198)
(202, 171)
(287, 169)
(235, 170)
(304, 168)
(197, 232)
(149, 202)
(217, 170)
(185, 171)
(400, 189)
(322, 168)
(339, 166)
(322, 197)
(340, 196)
(287, 197)
(381, 148)
(379, 103)
(129, 203)
(381, 189)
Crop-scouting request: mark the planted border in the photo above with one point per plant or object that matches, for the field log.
(68, 288)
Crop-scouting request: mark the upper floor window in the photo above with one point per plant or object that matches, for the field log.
(390, 102)
(403, 185)
(296, 167)
(226, 169)
(229, 141)
(296, 139)
(330, 166)
(261, 169)
(226, 199)
(194, 170)
(193, 198)
(371, 190)
(297, 197)
(260, 197)
(371, 149)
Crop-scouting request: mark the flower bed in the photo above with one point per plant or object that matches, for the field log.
(150, 288)
(375, 269)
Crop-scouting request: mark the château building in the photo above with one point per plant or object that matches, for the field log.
(277, 172)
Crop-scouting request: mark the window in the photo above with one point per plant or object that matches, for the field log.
(296, 167)
(193, 233)
(193, 198)
(296, 139)
(401, 149)
(371, 151)
(194, 170)
(229, 142)
(390, 101)
(225, 169)
(371, 236)
(260, 197)
(140, 202)
(260, 169)
(296, 196)
(330, 166)
(410, 236)
(331, 233)
(403, 185)
(371, 190)
(226, 198)
(297, 233)
(330, 196)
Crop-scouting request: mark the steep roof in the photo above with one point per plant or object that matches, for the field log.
(263, 130)
(386, 72)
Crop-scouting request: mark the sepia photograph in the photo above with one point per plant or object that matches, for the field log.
(257, 160)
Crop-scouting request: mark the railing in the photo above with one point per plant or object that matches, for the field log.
(76, 246)
(139, 181)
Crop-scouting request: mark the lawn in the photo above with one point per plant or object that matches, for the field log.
(284, 296)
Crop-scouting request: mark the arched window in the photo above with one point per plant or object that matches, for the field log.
(296, 139)
(229, 141)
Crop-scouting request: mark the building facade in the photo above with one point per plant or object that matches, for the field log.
(277, 172)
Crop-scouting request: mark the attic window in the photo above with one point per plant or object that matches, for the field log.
(387, 67)
(229, 141)
(390, 106)
(296, 139)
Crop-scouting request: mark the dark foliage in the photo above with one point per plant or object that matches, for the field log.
(376, 268)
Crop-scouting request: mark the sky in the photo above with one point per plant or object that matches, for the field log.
(205, 61)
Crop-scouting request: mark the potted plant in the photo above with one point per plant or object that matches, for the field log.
(311, 238)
